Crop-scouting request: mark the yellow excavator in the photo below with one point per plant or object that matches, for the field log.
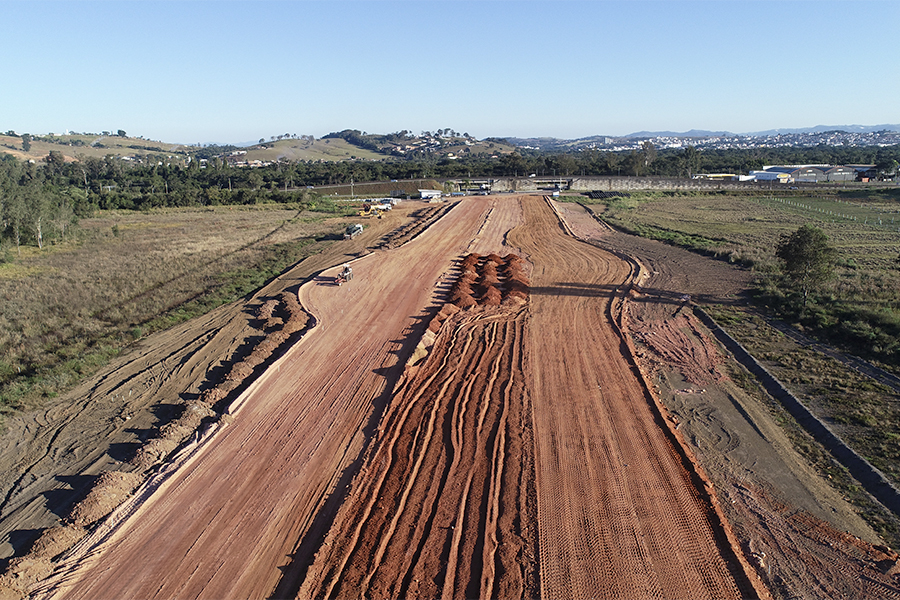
(370, 210)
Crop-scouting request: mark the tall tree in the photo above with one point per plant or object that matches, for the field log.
(807, 259)
(37, 207)
(648, 154)
(15, 216)
(690, 160)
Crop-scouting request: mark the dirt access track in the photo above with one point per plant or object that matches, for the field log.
(525, 456)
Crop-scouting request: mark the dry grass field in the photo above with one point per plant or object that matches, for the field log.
(866, 231)
(98, 146)
(71, 307)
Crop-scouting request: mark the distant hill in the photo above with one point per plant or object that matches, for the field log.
(696, 133)
(352, 144)
(824, 128)
(345, 145)
(816, 129)
(74, 146)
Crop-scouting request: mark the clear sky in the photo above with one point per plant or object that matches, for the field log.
(229, 72)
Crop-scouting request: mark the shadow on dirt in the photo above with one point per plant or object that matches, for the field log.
(60, 501)
(20, 540)
(645, 294)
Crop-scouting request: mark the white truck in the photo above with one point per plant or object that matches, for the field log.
(352, 231)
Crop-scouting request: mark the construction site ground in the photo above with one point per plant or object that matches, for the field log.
(582, 441)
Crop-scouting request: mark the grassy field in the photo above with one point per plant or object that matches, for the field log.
(332, 149)
(70, 308)
(97, 146)
(745, 229)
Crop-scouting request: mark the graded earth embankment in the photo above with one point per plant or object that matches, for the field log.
(228, 523)
(619, 512)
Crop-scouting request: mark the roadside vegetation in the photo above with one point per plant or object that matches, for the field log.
(863, 412)
(857, 309)
(120, 275)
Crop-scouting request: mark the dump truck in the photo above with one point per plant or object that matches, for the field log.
(352, 231)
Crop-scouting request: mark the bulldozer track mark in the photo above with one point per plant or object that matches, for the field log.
(457, 476)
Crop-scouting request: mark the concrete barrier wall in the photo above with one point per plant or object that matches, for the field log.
(624, 184)
(871, 478)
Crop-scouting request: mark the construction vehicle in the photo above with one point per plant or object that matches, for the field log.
(344, 276)
(370, 210)
(352, 231)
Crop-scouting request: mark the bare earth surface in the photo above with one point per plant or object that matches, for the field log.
(524, 456)
(802, 536)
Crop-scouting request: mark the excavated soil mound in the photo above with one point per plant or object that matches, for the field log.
(491, 297)
(499, 279)
(109, 491)
(470, 261)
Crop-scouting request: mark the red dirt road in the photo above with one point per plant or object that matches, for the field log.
(619, 515)
(523, 457)
(445, 505)
(231, 516)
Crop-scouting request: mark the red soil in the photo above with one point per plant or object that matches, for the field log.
(525, 456)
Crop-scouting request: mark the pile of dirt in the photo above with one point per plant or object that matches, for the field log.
(281, 319)
(422, 220)
(490, 281)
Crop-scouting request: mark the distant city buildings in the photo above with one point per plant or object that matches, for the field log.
(801, 174)
(742, 142)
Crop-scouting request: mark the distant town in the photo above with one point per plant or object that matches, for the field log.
(718, 142)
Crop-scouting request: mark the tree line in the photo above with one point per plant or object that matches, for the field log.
(33, 210)
(41, 200)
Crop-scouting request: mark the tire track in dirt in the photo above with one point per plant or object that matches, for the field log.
(618, 511)
(440, 509)
(250, 501)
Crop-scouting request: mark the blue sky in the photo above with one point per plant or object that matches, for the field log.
(228, 72)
